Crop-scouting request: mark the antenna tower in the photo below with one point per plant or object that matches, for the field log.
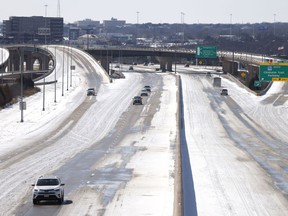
(58, 9)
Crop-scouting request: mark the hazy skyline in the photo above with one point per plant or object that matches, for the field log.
(155, 11)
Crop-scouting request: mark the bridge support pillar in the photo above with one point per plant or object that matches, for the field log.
(162, 65)
(29, 62)
(230, 67)
(169, 65)
(44, 63)
(165, 63)
(104, 61)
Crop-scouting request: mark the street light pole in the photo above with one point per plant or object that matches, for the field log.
(274, 24)
(3, 68)
(44, 63)
(230, 24)
(21, 94)
(45, 23)
(182, 22)
(67, 68)
(137, 26)
(63, 73)
(71, 65)
(44, 68)
(137, 17)
(55, 68)
(175, 61)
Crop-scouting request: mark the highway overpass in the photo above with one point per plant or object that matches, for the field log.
(245, 66)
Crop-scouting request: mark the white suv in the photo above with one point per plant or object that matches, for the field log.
(48, 188)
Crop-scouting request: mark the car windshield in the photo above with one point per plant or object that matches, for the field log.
(44, 182)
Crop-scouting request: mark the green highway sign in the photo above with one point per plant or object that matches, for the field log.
(257, 83)
(206, 52)
(273, 71)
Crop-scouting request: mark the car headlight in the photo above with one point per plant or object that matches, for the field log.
(36, 190)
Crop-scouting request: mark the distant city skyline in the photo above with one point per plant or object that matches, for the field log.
(154, 11)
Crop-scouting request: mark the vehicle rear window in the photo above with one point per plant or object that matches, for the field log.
(43, 182)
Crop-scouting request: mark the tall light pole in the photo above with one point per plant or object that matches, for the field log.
(3, 69)
(67, 63)
(63, 72)
(44, 63)
(137, 26)
(182, 22)
(45, 22)
(71, 65)
(55, 77)
(58, 9)
(137, 17)
(21, 93)
(230, 24)
(274, 24)
(44, 68)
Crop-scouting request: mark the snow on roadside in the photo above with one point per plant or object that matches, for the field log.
(37, 122)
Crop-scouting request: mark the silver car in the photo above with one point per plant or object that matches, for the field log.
(144, 92)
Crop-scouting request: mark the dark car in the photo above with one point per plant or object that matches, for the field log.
(224, 92)
(91, 92)
(148, 88)
(137, 100)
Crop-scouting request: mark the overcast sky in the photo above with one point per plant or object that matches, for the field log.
(155, 11)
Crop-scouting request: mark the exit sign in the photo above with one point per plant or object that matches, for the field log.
(206, 52)
(274, 72)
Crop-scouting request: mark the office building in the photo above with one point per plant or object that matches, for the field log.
(35, 29)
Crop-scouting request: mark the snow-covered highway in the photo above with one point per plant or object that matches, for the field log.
(237, 148)
(120, 159)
